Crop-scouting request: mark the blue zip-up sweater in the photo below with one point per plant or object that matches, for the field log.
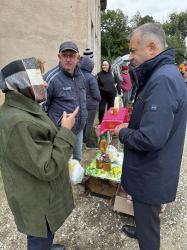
(154, 140)
(92, 90)
(64, 93)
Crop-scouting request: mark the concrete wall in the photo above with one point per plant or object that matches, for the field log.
(36, 28)
(94, 34)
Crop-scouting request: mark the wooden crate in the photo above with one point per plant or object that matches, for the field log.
(101, 187)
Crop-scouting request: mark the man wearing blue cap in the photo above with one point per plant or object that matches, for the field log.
(66, 90)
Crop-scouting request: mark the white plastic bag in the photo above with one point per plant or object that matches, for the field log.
(119, 159)
(116, 102)
(76, 171)
(112, 152)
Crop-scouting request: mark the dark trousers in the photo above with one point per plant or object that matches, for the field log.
(105, 101)
(125, 98)
(147, 225)
(40, 243)
(88, 135)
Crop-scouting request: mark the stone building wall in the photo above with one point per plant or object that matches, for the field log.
(36, 28)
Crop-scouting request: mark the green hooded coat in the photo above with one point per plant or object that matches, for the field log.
(34, 156)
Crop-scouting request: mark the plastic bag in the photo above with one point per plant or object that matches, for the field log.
(116, 102)
(76, 171)
(119, 159)
(112, 152)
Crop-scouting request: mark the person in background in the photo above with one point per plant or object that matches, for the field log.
(88, 53)
(109, 86)
(92, 99)
(134, 81)
(126, 85)
(154, 139)
(34, 155)
(66, 90)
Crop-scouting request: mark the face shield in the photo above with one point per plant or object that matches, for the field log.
(24, 76)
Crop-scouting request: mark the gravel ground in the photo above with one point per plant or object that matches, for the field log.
(93, 225)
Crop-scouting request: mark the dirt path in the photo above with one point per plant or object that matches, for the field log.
(93, 225)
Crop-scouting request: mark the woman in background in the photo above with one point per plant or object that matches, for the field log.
(109, 85)
(126, 85)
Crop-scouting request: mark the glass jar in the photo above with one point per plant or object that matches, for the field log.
(106, 164)
(99, 162)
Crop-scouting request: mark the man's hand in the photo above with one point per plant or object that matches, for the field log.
(68, 120)
(119, 127)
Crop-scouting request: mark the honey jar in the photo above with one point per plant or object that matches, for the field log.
(99, 162)
(106, 164)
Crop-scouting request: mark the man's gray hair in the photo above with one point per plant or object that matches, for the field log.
(150, 31)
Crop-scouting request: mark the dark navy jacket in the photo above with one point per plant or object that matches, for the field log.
(153, 143)
(64, 93)
(92, 90)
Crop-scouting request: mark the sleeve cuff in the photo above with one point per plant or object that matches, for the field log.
(123, 133)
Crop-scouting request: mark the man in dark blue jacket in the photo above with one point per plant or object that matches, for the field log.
(154, 139)
(66, 90)
(92, 100)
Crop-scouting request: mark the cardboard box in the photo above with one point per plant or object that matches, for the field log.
(120, 203)
(100, 186)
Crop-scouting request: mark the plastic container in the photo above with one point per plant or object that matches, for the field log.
(115, 110)
(103, 145)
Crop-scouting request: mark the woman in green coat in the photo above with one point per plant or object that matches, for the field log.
(34, 155)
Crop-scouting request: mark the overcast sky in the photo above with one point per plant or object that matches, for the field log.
(158, 9)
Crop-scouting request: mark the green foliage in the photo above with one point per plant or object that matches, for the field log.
(114, 33)
(138, 20)
(176, 32)
(175, 41)
(176, 22)
(115, 30)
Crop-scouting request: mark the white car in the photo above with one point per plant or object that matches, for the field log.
(117, 64)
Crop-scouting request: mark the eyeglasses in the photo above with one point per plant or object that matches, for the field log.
(68, 55)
